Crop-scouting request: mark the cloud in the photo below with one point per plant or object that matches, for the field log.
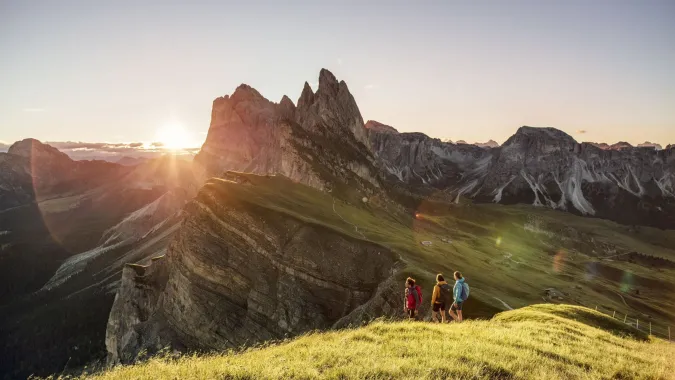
(34, 110)
(581, 131)
(78, 150)
(107, 147)
(370, 86)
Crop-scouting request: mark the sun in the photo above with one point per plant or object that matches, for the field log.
(173, 136)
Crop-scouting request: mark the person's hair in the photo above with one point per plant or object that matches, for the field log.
(458, 275)
(410, 281)
(439, 277)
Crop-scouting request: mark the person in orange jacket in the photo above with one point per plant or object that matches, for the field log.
(441, 299)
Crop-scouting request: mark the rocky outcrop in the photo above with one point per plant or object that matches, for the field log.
(31, 170)
(322, 142)
(375, 126)
(543, 167)
(415, 158)
(240, 272)
(547, 167)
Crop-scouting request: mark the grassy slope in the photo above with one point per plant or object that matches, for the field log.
(537, 342)
(503, 260)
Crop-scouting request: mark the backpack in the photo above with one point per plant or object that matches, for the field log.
(465, 291)
(445, 294)
(419, 293)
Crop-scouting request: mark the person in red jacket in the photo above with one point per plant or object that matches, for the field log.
(413, 298)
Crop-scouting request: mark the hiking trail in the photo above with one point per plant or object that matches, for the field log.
(356, 228)
(506, 305)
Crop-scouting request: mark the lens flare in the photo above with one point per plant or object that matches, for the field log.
(559, 261)
(498, 241)
(626, 281)
(591, 271)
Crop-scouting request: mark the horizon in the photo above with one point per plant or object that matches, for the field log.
(131, 147)
(126, 72)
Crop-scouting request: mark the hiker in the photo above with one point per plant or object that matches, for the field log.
(413, 298)
(460, 292)
(441, 298)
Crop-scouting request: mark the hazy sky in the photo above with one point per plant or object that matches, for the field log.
(118, 70)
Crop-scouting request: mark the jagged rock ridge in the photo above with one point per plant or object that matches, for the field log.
(322, 142)
(543, 167)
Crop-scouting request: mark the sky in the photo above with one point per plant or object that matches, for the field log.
(121, 71)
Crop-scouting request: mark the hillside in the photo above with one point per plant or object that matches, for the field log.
(536, 342)
(293, 238)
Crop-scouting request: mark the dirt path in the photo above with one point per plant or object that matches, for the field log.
(504, 303)
(622, 299)
(356, 228)
(508, 257)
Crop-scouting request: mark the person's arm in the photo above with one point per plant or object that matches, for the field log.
(456, 292)
(434, 295)
(405, 300)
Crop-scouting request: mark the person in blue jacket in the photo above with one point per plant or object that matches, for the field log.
(460, 292)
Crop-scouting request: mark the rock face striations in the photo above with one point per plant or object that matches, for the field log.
(240, 271)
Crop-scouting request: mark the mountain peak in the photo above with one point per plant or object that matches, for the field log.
(490, 144)
(326, 78)
(546, 133)
(287, 108)
(245, 92)
(620, 145)
(648, 144)
(34, 148)
(379, 127)
(306, 97)
(286, 100)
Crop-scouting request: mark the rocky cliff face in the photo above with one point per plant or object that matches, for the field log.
(321, 142)
(547, 167)
(239, 272)
(415, 158)
(543, 167)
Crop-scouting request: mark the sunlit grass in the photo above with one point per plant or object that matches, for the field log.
(538, 342)
(488, 243)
